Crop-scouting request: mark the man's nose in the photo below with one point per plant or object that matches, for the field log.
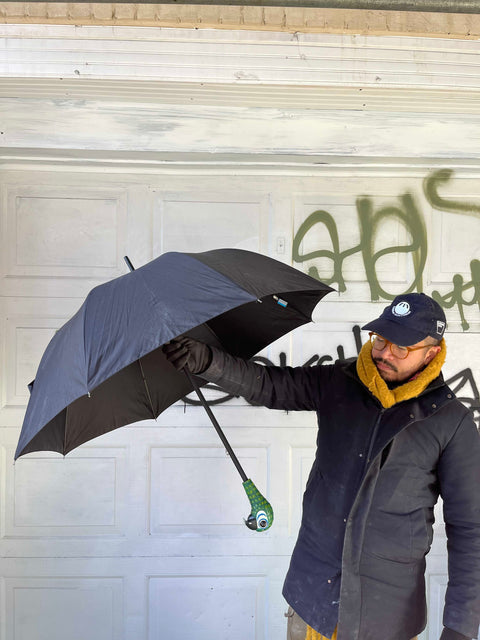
(387, 354)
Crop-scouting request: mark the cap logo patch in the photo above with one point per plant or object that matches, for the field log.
(401, 309)
(440, 327)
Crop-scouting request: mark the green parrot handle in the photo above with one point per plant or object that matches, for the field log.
(261, 516)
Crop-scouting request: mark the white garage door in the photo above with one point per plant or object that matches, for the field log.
(139, 534)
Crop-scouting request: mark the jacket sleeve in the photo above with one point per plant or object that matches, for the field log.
(288, 388)
(459, 476)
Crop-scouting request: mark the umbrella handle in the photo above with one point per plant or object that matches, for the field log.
(261, 515)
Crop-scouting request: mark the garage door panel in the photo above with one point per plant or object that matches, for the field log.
(83, 495)
(197, 490)
(64, 231)
(56, 608)
(211, 607)
(234, 220)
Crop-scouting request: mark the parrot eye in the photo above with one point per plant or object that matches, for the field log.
(262, 520)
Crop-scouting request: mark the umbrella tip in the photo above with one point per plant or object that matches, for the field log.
(128, 263)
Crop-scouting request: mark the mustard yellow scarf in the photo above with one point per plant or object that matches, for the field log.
(369, 375)
(371, 378)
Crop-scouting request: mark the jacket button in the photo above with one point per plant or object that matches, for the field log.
(329, 581)
(412, 416)
(449, 395)
(434, 406)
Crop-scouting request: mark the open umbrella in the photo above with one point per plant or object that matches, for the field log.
(105, 367)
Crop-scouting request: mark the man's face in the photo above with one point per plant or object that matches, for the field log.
(394, 369)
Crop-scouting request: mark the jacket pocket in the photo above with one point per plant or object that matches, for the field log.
(398, 537)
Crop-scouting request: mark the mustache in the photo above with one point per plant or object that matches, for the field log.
(386, 363)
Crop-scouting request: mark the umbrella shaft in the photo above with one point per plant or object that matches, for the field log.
(218, 429)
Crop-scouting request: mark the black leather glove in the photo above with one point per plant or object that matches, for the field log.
(449, 634)
(186, 352)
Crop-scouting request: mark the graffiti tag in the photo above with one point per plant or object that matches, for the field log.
(407, 211)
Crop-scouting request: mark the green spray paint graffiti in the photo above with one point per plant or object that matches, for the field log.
(456, 295)
(430, 188)
(412, 219)
(408, 213)
(369, 222)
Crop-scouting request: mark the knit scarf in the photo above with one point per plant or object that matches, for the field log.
(369, 375)
(371, 378)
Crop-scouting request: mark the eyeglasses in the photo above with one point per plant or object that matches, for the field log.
(379, 343)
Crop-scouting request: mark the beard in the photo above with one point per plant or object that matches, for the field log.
(385, 363)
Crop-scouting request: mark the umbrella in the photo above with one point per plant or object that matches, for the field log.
(105, 367)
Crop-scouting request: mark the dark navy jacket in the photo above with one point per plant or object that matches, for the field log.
(359, 560)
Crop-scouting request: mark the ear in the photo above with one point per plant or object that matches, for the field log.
(432, 353)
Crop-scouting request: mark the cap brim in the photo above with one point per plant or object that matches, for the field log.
(396, 333)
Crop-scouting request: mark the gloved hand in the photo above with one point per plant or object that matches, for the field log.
(186, 352)
(449, 634)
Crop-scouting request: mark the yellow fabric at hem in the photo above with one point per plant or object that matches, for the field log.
(314, 635)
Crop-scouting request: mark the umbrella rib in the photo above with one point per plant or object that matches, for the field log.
(65, 430)
(147, 389)
(132, 268)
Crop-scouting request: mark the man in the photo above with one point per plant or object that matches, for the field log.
(392, 437)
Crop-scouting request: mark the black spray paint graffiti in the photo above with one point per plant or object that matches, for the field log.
(462, 383)
(408, 213)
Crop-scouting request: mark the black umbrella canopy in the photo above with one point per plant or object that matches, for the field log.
(105, 367)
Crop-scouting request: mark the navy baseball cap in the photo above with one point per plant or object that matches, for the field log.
(409, 319)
